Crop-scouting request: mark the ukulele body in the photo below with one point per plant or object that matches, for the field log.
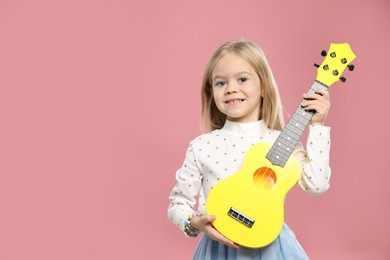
(249, 205)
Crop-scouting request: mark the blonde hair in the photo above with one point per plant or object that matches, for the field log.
(270, 104)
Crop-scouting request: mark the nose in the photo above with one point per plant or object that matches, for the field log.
(231, 88)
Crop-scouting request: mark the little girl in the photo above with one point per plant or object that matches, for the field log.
(241, 106)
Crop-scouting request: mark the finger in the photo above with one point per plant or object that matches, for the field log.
(320, 93)
(314, 96)
(214, 234)
(206, 219)
(318, 108)
(308, 105)
(316, 102)
(323, 92)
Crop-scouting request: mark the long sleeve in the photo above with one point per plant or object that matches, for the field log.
(183, 196)
(315, 167)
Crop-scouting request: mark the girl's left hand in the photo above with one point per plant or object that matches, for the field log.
(319, 102)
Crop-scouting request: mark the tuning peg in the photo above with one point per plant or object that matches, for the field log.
(351, 67)
(323, 53)
(316, 65)
(343, 79)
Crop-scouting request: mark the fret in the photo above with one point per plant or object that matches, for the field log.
(300, 112)
(296, 126)
(285, 145)
(288, 139)
(277, 159)
(281, 152)
(302, 115)
(293, 136)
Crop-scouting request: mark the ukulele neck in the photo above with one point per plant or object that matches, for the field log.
(292, 132)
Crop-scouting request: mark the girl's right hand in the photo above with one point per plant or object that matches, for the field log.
(203, 223)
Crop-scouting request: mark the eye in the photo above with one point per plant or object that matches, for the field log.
(220, 83)
(242, 79)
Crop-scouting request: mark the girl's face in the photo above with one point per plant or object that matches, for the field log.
(236, 89)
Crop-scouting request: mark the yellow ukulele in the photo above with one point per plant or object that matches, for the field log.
(249, 205)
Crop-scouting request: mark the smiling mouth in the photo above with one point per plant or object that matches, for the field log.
(234, 101)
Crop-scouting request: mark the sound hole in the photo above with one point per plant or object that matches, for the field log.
(264, 178)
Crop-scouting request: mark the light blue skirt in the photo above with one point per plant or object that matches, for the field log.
(285, 247)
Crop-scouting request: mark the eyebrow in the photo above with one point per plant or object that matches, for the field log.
(236, 74)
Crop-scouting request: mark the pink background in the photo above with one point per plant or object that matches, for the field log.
(99, 100)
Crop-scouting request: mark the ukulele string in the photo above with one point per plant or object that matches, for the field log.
(252, 187)
(259, 183)
(269, 182)
(262, 186)
(272, 182)
(280, 147)
(244, 201)
(254, 190)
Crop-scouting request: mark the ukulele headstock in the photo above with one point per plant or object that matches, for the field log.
(338, 57)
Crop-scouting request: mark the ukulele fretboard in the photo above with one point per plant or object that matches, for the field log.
(292, 132)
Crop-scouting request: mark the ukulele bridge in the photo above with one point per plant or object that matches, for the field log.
(247, 221)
